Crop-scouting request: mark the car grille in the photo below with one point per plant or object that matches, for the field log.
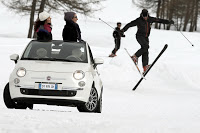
(40, 92)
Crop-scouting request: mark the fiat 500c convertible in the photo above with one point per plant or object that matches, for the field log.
(55, 73)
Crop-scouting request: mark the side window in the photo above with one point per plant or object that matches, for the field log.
(91, 56)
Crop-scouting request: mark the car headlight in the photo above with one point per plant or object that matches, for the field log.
(21, 72)
(78, 75)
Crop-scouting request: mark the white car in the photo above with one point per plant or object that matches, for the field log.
(55, 73)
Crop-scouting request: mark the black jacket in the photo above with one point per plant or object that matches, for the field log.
(43, 34)
(117, 34)
(144, 27)
(71, 32)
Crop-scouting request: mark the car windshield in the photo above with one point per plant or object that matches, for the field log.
(56, 51)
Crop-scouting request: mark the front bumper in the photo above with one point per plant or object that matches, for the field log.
(40, 92)
(67, 89)
(27, 91)
(60, 102)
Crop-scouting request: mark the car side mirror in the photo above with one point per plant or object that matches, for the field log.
(14, 57)
(98, 61)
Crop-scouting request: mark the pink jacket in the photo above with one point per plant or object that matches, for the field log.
(46, 27)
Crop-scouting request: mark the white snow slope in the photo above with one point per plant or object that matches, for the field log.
(167, 102)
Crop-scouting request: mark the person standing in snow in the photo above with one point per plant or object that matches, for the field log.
(43, 27)
(143, 24)
(117, 38)
(71, 31)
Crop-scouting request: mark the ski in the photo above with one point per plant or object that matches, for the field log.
(162, 51)
(142, 76)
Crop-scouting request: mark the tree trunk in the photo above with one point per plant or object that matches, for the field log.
(162, 13)
(196, 15)
(32, 18)
(187, 16)
(158, 13)
(181, 17)
(171, 12)
(192, 14)
(42, 5)
(181, 21)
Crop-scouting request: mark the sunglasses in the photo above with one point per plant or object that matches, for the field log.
(145, 15)
(75, 17)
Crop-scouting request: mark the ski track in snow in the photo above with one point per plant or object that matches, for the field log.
(167, 102)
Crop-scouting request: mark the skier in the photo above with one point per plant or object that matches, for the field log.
(117, 34)
(143, 24)
(71, 31)
(43, 27)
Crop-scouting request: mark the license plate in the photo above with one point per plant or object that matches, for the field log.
(48, 86)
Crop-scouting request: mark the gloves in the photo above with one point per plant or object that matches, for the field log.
(171, 22)
(122, 33)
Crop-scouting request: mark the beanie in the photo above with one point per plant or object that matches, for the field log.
(69, 15)
(144, 13)
(43, 16)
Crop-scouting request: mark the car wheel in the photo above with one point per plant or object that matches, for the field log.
(99, 106)
(7, 98)
(92, 104)
(30, 106)
(20, 105)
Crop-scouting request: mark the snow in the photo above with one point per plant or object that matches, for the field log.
(167, 102)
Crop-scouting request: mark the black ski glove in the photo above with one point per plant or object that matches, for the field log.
(122, 33)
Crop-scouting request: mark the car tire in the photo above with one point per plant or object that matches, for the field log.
(7, 98)
(10, 103)
(20, 105)
(99, 106)
(92, 104)
(30, 106)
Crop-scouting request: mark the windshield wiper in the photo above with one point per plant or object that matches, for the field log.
(48, 59)
(65, 60)
(28, 58)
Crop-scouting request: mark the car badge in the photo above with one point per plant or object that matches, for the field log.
(48, 77)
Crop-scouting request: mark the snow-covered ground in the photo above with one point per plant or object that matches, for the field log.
(167, 102)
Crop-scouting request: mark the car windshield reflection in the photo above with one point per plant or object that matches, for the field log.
(56, 51)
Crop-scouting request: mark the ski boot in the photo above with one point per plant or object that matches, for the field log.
(112, 55)
(135, 59)
(146, 68)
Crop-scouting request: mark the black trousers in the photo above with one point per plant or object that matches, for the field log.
(143, 51)
(117, 45)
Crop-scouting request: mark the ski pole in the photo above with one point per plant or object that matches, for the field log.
(111, 26)
(106, 23)
(184, 36)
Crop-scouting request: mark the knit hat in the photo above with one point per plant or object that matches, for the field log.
(43, 16)
(144, 13)
(69, 15)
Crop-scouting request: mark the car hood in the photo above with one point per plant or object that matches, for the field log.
(53, 66)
